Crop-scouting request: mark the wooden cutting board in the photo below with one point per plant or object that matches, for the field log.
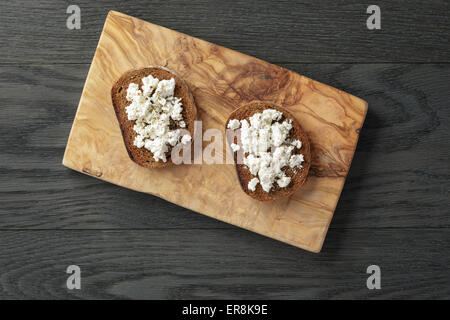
(221, 80)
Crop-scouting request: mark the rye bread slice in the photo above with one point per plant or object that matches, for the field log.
(143, 156)
(298, 178)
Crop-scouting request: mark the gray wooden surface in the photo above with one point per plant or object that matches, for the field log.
(394, 210)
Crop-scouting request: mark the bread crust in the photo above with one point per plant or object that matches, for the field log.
(298, 178)
(143, 156)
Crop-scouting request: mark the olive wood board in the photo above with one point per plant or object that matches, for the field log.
(220, 80)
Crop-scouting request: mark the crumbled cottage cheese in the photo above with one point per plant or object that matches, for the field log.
(153, 107)
(267, 148)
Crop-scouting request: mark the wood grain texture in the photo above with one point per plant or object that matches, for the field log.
(398, 178)
(180, 264)
(220, 80)
(281, 31)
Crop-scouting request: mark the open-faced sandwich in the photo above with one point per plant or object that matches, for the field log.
(156, 112)
(274, 149)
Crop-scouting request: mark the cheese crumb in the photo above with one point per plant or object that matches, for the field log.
(296, 161)
(284, 182)
(235, 147)
(234, 124)
(297, 144)
(252, 184)
(153, 108)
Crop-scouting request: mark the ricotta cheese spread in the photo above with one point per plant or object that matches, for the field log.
(153, 107)
(267, 149)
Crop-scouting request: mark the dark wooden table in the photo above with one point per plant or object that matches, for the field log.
(394, 210)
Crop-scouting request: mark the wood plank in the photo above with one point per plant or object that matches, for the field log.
(221, 80)
(180, 264)
(323, 31)
(399, 178)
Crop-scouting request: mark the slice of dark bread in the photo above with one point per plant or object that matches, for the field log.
(298, 178)
(143, 156)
